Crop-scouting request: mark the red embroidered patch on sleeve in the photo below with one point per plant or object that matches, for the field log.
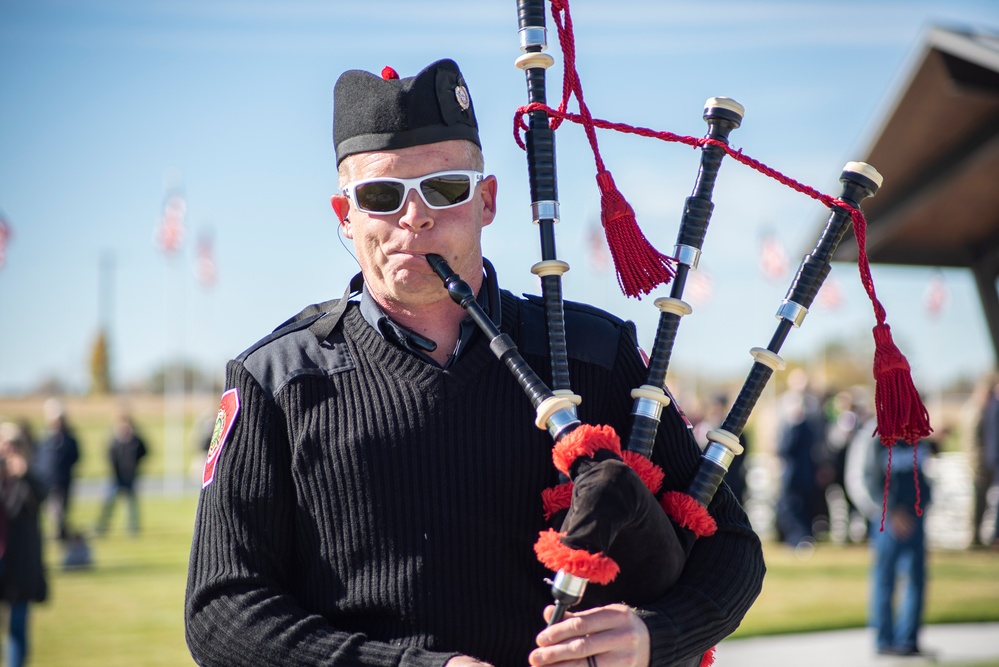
(228, 408)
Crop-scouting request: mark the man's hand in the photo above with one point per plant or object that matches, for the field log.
(614, 635)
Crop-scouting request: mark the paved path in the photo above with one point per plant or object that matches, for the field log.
(964, 643)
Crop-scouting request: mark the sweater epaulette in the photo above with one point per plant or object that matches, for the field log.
(292, 351)
(592, 334)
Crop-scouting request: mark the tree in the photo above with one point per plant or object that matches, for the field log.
(100, 365)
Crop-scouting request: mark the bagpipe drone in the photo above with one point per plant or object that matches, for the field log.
(602, 507)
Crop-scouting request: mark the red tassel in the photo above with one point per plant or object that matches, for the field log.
(578, 562)
(650, 474)
(688, 513)
(901, 413)
(555, 499)
(388, 73)
(709, 658)
(640, 267)
(585, 440)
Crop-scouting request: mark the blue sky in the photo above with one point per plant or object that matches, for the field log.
(106, 103)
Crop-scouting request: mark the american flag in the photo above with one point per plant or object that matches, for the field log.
(204, 262)
(599, 254)
(170, 233)
(936, 297)
(5, 234)
(830, 296)
(700, 287)
(773, 258)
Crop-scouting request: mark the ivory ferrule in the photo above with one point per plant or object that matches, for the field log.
(764, 356)
(533, 35)
(687, 255)
(668, 304)
(575, 399)
(792, 312)
(550, 267)
(726, 439)
(651, 393)
(545, 210)
(534, 60)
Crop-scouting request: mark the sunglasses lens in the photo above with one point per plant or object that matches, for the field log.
(379, 196)
(446, 189)
(439, 191)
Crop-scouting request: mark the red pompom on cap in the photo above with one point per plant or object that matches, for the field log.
(388, 73)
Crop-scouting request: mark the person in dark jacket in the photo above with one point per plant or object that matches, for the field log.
(58, 452)
(373, 491)
(990, 455)
(799, 438)
(898, 534)
(22, 572)
(125, 450)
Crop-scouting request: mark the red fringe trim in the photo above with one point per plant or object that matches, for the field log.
(901, 413)
(650, 474)
(709, 658)
(688, 513)
(556, 498)
(556, 556)
(585, 440)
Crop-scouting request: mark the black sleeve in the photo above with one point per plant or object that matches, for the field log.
(238, 610)
(724, 573)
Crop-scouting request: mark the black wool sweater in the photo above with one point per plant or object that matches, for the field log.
(370, 508)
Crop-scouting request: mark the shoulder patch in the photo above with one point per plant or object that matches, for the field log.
(228, 409)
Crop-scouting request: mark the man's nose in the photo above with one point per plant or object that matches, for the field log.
(416, 215)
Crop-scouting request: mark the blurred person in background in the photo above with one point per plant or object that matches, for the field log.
(22, 573)
(898, 546)
(844, 418)
(800, 435)
(125, 451)
(990, 457)
(58, 452)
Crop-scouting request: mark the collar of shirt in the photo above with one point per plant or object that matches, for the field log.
(415, 343)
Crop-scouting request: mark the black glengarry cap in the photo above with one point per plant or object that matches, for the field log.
(376, 113)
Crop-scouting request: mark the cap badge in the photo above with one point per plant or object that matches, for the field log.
(461, 94)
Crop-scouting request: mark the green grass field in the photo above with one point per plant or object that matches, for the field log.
(127, 609)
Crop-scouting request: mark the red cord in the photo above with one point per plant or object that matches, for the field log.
(901, 414)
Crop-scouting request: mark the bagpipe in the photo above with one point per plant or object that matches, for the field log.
(609, 498)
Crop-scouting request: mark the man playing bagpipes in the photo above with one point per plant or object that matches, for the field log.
(372, 494)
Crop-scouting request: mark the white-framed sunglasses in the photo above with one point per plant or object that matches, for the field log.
(386, 195)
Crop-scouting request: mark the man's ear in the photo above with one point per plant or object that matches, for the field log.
(341, 206)
(488, 189)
